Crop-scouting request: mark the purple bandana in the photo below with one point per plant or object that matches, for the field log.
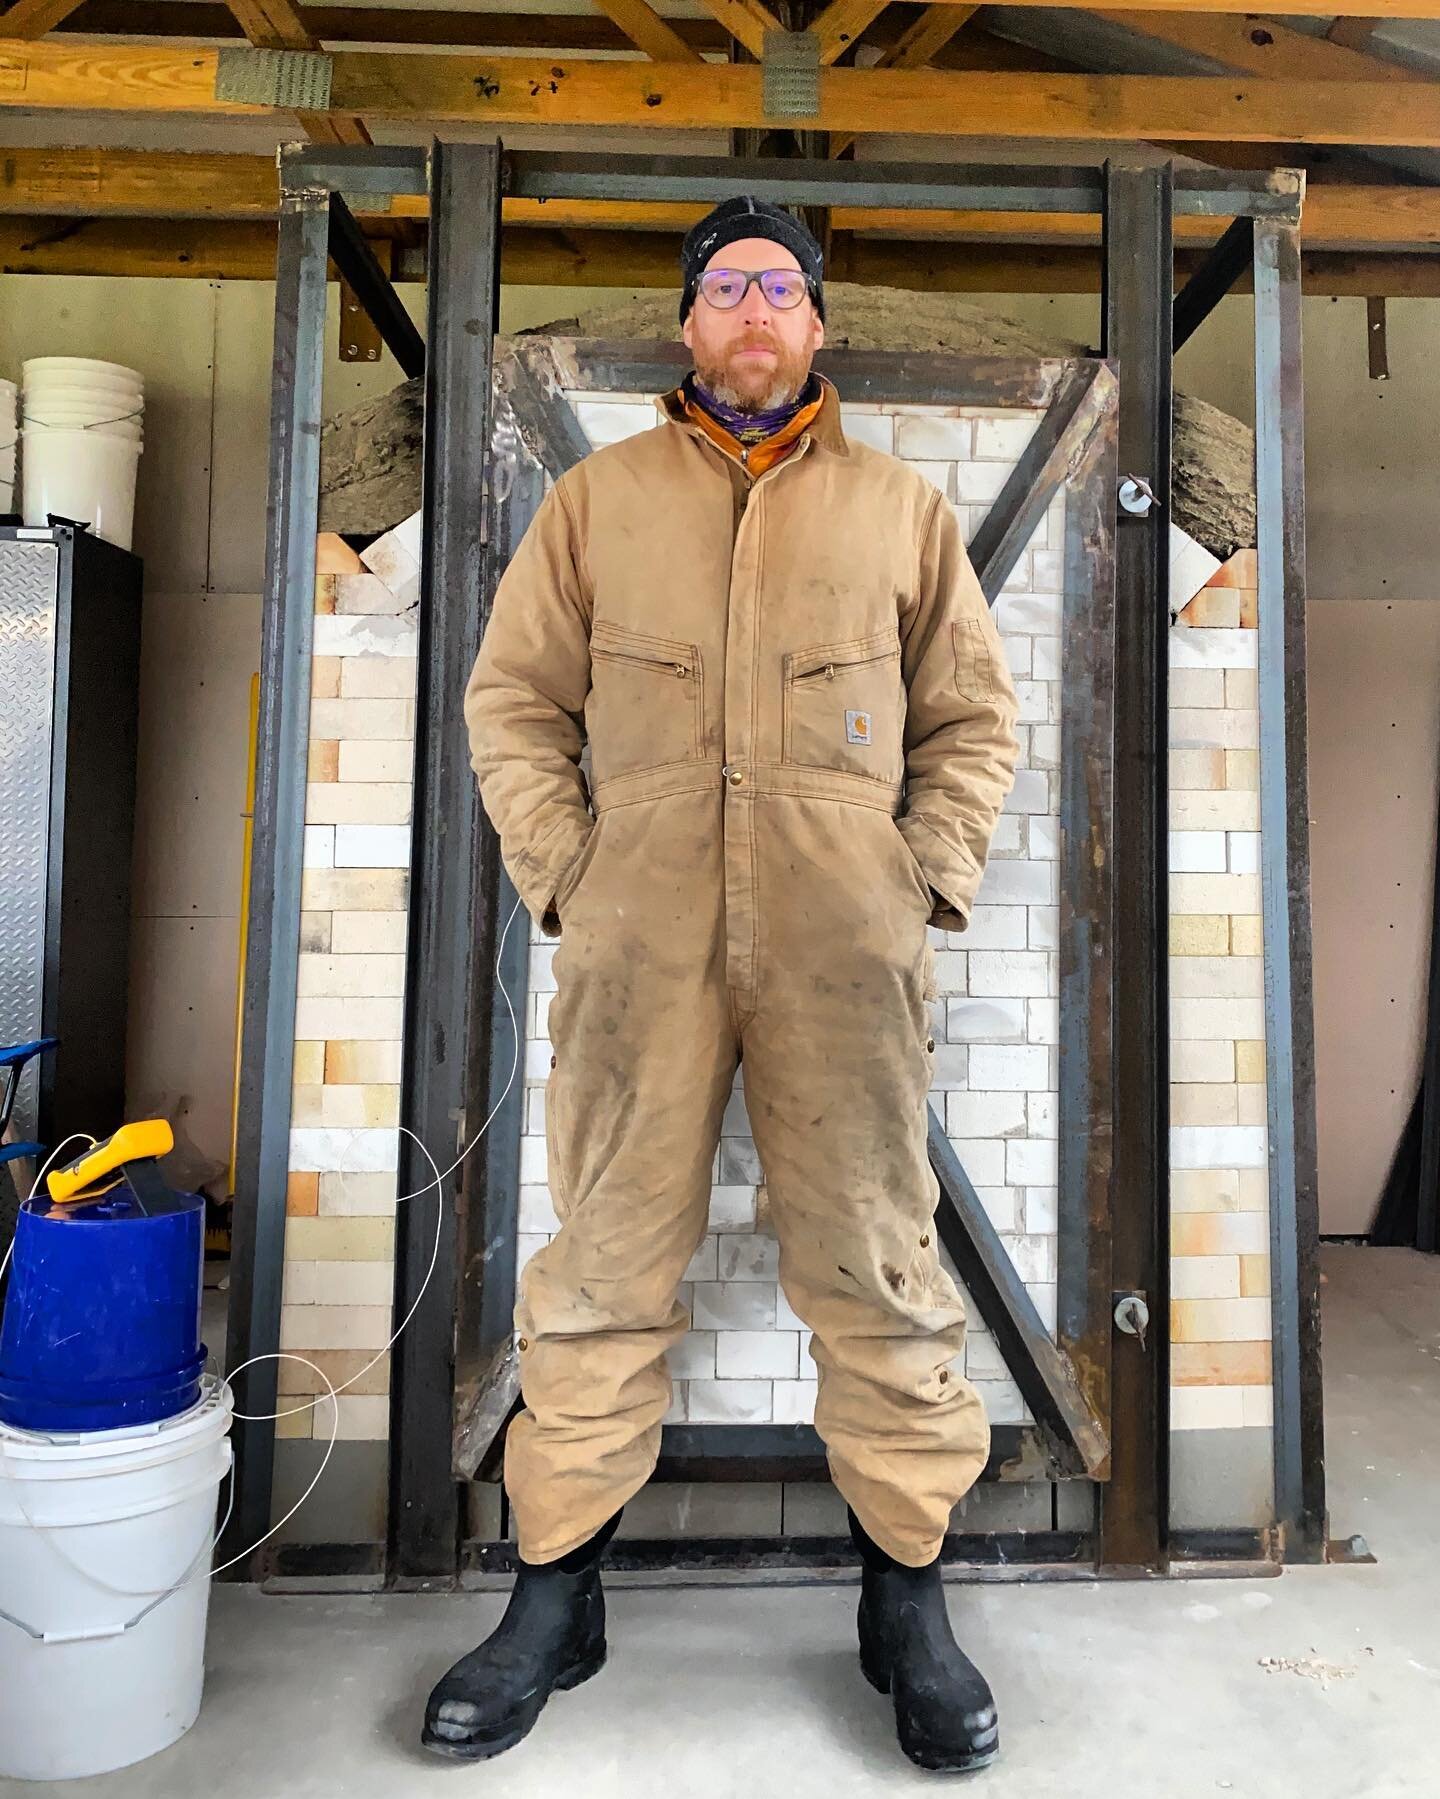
(752, 427)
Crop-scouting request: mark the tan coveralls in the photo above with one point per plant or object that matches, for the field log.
(756, 666)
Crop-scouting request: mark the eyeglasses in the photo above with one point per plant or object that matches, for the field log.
(726, 288)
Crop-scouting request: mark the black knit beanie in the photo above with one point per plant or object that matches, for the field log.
(742, 215)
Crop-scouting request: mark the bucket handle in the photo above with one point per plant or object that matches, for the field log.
(124, 418)
(92, 1633)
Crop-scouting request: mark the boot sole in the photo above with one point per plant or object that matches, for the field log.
(482, 1749)
(935, 1761)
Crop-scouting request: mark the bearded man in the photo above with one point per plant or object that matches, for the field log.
(801, 729)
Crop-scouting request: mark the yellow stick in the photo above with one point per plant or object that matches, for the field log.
(249, 817)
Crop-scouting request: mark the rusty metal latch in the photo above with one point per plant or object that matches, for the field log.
(1132, 1316)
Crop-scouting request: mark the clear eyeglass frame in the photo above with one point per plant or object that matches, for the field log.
(783, 288)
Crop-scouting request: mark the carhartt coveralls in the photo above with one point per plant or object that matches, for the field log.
(758, 666)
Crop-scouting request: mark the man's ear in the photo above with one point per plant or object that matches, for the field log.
(687, 329)
(819, 334)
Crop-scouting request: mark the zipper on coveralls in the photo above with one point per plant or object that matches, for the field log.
(682, 669)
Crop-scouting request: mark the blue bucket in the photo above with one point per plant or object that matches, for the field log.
(102, 1319)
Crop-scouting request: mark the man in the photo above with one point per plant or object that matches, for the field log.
(763, 630)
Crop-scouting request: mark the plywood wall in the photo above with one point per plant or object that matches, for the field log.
(1374, 753)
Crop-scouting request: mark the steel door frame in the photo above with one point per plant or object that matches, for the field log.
(1126, 196)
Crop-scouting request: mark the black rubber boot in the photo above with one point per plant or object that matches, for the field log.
(551, 1637)
(944, 1709)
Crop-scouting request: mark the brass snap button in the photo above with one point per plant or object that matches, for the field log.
(524, 1342)
(925, 1242)
(735, 777)
(552, 1061)
(944, 1376)
(930, 1046)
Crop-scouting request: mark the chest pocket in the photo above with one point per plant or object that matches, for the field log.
(646, 704)
(845, 707)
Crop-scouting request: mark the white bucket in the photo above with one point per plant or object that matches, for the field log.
(9, 433)
(81, 474)
(37, 381)
(78, 368)
(98, 399)
(93, 1528)
(86, 404)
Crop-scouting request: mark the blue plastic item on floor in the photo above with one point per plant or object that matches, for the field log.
(102, 1319)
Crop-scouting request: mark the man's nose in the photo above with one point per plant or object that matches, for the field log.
(755, 309)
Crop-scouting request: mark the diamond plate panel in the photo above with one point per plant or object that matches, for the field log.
(29, 580)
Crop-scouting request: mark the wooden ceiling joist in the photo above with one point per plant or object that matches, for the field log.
(841, 25)
(1368, 9)
(33, 18)
(97, 183)
(916, 48)
(644, 27)
(426, 27)
(213, 249)
(1260, 46)
(747, 21)
(497, 91)
(1354, 33)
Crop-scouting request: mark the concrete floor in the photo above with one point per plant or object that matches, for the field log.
(1159, 1691)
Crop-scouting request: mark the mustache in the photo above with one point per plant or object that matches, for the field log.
(755, 340)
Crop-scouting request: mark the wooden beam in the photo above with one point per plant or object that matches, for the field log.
(476, 89)
(1260, 46)
(33, 18)
(209, 249)
(920, 43)
(272, 24)
(1372, 9)
(140, 183)
(93, 183)
(244, 250)
(649, 32)
(1355, 34)
(925, 102)
(200, 19)
(915, 48)
(747, 21)
(842, 23)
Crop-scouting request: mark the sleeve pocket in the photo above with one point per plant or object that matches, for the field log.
(974, 670)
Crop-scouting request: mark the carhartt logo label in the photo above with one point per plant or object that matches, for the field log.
(857, 727)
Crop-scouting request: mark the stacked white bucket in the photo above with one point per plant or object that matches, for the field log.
(9, 441)
(81, 432)
(105, 1540)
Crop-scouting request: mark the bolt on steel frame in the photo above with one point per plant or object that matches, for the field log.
(456, 1051)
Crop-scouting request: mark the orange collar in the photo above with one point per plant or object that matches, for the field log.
(754, 457)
